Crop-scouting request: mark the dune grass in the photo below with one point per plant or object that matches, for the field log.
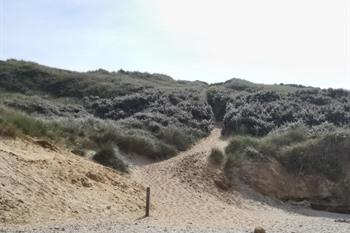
(299, 150)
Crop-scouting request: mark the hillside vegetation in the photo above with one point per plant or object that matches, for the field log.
(247, 108)
(154, 116)
(140, 113)
(289, 141)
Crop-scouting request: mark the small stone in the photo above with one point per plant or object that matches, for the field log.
(342, 220)
(59, 228)
(85, 182)
(259, 230)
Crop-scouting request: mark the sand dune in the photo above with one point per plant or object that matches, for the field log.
(46, 186)
(184, 193)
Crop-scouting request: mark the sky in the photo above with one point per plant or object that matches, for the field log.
(272, 41)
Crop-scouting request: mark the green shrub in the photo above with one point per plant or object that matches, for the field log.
(239, 143)
(255, 148)
(216, 157)
(145, 146)
(325, 156)
(107, 156)
(293, 135)
(29, 125)
(135, 141)
(175, 137)
(16, 121)
(109, 136)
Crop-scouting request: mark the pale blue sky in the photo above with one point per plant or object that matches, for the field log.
(270, 41)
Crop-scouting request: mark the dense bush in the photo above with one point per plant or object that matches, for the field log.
(156, 116)
(260, 112)
(175, 137)
(139, 143)
(43, 107)
(15, 123)
(145, 146)
(255, 109)
(108, 156)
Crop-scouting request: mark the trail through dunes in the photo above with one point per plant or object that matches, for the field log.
(42, 186)
(187, 191)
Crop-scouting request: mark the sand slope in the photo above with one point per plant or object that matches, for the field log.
(40, 185)
(43, 184)
(185, 193)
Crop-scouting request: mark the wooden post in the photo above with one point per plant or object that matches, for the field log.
(148, 196)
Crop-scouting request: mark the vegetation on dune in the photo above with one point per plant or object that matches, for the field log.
(155, 116)
(140, 113)
(312, 161)
(301, 150)
(135, 142)
(31, 78)
(258, 109)
(14, 124)
(94, 134)
(108, 156)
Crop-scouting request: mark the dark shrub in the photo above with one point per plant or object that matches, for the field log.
(79, 151)
(259, 112)
(218, 103)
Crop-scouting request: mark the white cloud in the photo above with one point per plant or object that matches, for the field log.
(269, 41)
(301, 41)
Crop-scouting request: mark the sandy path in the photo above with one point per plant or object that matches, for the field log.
(184, 194)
